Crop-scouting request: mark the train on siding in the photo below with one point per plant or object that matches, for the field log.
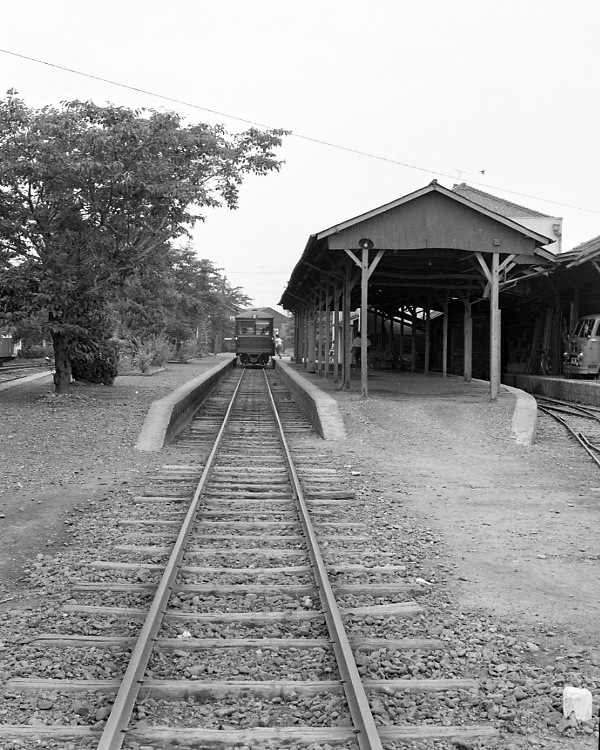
(7, 348)
(582, 357)
(254, 338)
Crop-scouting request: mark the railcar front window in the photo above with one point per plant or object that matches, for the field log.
(585, 328)
(254, 327)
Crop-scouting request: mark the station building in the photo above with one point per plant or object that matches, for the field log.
(452, 280)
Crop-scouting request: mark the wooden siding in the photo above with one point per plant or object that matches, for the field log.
(434, 221)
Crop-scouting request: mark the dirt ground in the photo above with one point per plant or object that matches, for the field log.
(60, 452)
(521, 523)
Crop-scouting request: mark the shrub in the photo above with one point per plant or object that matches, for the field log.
(95, 363)
(36, 351)
(163, 351)
(153, 351)
(187, 349)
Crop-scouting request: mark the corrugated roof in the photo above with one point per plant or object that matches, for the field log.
(494, 203)
(586, 251)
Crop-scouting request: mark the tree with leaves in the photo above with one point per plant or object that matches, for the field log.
(90, 194)
(181, 297)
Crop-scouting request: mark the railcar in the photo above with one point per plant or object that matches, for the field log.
(7, 348)
(254, 339)
(582, 357)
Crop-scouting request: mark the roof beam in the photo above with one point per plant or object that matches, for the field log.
(430, 276)
(420, 285)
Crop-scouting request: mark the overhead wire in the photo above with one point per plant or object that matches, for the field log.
(329, 144)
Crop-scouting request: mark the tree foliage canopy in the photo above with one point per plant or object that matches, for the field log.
(179, 297)
(90, 194)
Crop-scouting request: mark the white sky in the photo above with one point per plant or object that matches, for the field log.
(449, 86)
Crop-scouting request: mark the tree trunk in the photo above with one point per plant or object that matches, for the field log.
(62, 364)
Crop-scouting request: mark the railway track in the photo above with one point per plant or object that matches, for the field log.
(15, 371)
(577, 420)
(219, 616)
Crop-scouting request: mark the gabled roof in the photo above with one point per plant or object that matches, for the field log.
(271, 311)
(254, 312)
(427, 241)
(434, 186)
(494, 203)
(264, 311)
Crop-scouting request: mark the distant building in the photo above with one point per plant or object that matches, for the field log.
(279, 318)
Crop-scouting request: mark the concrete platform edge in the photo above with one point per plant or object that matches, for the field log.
(525, 415)
(318, 407)
(169, 415)
(25, 379)
(565, 389)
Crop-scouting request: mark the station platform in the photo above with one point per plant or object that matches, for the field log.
(401, 385)
(556, 386)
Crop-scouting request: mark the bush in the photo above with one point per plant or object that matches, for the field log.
(187, 349)
(36, 351)
(163, 351)
(95, 363)
(154, 351)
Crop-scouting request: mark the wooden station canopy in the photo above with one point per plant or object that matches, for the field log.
(578, 275)
(422, 251)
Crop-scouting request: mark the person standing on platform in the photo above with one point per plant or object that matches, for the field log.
(357, 349)
(278, 346)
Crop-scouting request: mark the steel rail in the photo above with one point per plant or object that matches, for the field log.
(577, 435)
(360, 711)
(113, 735)
(578, 410)
(588, 443)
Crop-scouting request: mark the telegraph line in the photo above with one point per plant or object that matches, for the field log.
(295, 135)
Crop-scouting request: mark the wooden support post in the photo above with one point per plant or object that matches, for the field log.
(311, 339)
(364, 300)
(413, 341)
(347, 340)
(499, 348)
(297, 336)
(468, 342)
(304, 335)
(427, 336)
(365, 272)
(336, 332)
(319, 333)
(574, 312)
(445, 340)
(557, 344)
(327, 337)
(495, 329)
(299, 344)
(300, 335)
(401, 346)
